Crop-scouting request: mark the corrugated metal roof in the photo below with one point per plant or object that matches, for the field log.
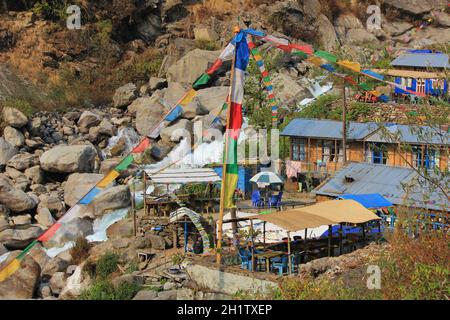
(411, 135)
(424, 60)
(183, 176)
(387, 181)
(329, 129)
(369, 201)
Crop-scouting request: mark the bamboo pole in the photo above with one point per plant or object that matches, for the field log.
(224, 166)
(344, 124)
(330, 237)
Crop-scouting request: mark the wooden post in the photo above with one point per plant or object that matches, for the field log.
(340, 239)
(344, 124)
(306, 244)
(133, 207)
(330, 237)
(224, 167)
(364, 234)
(253, 245)
(264, 232)
(289, 251)
(145, 192)
(185, 234)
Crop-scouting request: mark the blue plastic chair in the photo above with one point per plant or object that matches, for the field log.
(281, 266)
(246, 259)
(275, 201)
(256, 199)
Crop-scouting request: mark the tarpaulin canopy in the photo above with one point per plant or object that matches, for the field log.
(369, 201)
(323, 213)
(184, 176)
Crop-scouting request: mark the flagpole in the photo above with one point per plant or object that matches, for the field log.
(224, 164)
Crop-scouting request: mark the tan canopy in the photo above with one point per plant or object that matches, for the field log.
(323, 213)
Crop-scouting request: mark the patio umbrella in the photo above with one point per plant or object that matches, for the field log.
(267, 178)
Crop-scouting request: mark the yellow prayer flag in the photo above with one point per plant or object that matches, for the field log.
(12, 267)
(354, 66)
(315, 60)
(108, 179)
(231, 181)
(188, 97)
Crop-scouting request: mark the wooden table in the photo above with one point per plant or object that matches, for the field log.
(267, 256)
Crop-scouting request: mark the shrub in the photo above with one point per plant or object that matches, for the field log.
(126, 291)
(99, 290)
(207, 45)
(50, 9)
(107, 264)
(80, 251)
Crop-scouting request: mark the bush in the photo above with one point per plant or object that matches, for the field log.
(107, 264)
(126, 291)
(207, 45)
(80, 251)
(100, 290)
(51, 9)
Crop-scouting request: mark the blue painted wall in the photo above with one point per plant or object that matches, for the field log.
(245, 174)
(428, 87)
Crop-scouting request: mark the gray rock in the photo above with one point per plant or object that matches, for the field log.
(58, 282)
(4, 223)
(87, 120)
(21, 284)
(193, 64)
(124, 95)
(397, 28)
(442, 18)
(205, 33)
(70, 231)
(417, 7)
(78, 185)
(327, 34)
(111, 199)
(14, 117)
(45, 291)
(149, 112)
(105, 127)
(169, 286)
(52, 202)
(19, 238)
(7, 151)
(108, 164)
(178, 130)
(54, 265)
(167, 295)
(3, 250)
(360, 36)
(156, 83)
(68, 159)
(127, 278)
(44, 217)
(14, 136)
(22, 161)
(14, 199)
(160, 150)
(35, 174)
(145, 295)
(21, 220)
(13, 173)
(158, 242)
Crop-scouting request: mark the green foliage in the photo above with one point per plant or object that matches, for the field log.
(321, 108)
(126, 291)
(141, 69)
(207, 45)
(104, 290)
(99, 290)
(132, 267)
(80, 251)
(177, 258)
(19, 104)
(107, 264)
(51, 9)
(104, 30)
(358, 110)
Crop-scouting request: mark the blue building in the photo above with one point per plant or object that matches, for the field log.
(422, 71)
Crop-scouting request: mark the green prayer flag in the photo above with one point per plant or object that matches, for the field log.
(125, 163)
(326, 55)
(201, 81)
(365, 86)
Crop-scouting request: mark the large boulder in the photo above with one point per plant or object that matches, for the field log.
(14, 136)
(327, 34)
(14, 199)
(149, 112)
(35, 174)
(19, 238)
(58, 282)
(417, 7)
(205, 101)
(76, 283)
(68, 159)
(110, 199)
(125, 95)
(7, 151)
(44, 217)
(345, 22)
(14, 117)
(87, 120)
(78, 185)
(53, 266)
(70, 231)
(191, 66)
(23, 161)
(288, 89)
(397, 28)
(443, 19)
(22, 283)
(205, 33)
(360, 36)
(175, 132)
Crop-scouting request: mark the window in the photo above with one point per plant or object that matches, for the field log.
(424, 157)
(409, 82)
(329, 152)
(376, 153)
(298, 149)
(420, 86)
